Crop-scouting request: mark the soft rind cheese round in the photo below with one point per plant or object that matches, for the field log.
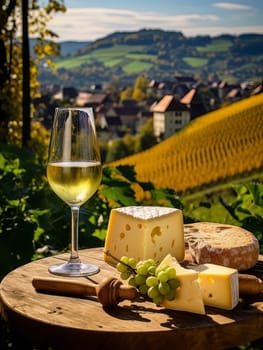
(143, 232)
(221, 244)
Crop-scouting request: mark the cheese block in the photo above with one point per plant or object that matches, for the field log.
(143, 232)
(219, 285)
(188, 295)
(221, 244)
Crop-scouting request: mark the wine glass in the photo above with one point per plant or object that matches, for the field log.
(74, 173)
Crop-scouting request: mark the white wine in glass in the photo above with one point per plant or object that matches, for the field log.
(74, 173)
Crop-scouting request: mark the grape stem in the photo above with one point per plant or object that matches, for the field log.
(107, 252)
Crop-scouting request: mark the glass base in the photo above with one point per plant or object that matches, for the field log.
(76, 269)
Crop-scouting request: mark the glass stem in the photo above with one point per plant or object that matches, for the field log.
(74, 257)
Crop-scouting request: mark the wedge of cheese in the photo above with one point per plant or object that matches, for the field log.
(188, 295)
(143, 232)
(219, 285)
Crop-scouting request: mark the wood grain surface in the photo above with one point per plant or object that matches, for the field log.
(65, 322)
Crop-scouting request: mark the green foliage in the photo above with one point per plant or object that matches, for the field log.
(145, 139)
(247, 208)
(129, 144)
(238, 204)
(117, 150)
(20, 195)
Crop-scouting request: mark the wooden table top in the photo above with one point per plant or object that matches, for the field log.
(65, 322)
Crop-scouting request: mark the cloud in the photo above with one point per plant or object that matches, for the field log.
(93, 23)
(231, 6)
(84, 24)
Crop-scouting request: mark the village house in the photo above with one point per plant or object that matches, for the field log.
(117, 119)
(169, 116)
(193, 101)
(109, 123)
(87, 99)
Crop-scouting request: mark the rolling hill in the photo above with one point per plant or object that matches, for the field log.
(215, 146)
(158, 55)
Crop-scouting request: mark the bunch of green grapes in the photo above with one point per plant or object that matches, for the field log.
(155, 281)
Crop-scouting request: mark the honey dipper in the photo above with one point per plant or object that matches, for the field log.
(109, 292)
(250, 284)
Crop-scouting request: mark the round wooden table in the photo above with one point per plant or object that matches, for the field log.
(65, 322)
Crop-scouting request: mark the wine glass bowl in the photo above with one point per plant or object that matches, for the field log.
(74, 173)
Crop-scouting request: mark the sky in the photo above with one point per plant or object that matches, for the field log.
(87, 20)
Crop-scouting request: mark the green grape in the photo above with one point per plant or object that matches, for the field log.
(143, 289)
(171, 272)
(158, 300)
(132, 262)
(124, 259)
(164, 288)
(171, 295)
(139, 280)
(174, 283)
(153, 292)
(158, 282)
(151, 270)
(150, 262)
(125, 275)
(161, 268)
(121, 267)
(131, 282)
(142, 268)
(162, 276)
(152, 281)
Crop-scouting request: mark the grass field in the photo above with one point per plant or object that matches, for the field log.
(195, 62)
(118, 55)
(217, 46)
(110, 57)
(73, 62)
(136, 66)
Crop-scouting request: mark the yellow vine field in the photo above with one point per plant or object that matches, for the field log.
(217, 145)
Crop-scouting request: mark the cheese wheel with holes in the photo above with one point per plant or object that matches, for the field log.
(143, 232)
(221, 244)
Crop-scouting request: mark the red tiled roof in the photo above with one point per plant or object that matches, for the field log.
(233, 93)
(163, 105)
(84, 98)
(168, 103)
(187, 99)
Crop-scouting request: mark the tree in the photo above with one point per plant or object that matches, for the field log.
(6, 33)
(141, 83)
(25, 75)
(14, 79)
(126, 94)
(146, 138)
(137, 92)
(117, 150)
